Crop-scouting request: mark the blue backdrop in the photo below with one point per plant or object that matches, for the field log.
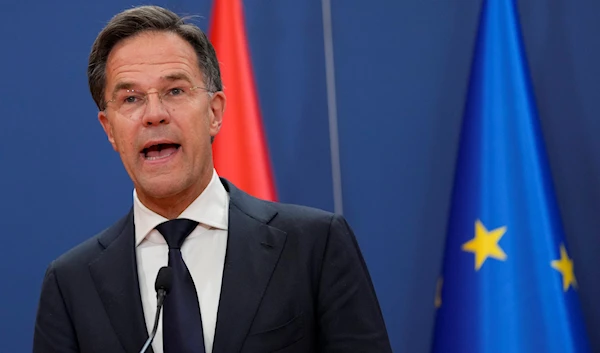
(401, 72)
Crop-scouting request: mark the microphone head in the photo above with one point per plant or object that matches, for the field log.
(164, 279)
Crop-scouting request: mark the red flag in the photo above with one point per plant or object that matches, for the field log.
(240, 150)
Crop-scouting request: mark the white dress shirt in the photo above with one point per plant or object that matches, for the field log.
(203, 252)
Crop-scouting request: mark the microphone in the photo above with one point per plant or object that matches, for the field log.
(164, 279)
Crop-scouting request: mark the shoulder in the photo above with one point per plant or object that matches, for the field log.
(79, 257)
(314, 224)
(292, 213)
(290, 218)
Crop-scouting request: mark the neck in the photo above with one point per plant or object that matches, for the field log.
(172, 206)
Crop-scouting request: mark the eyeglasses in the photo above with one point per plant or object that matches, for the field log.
(132, 103)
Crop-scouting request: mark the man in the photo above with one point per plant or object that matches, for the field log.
(248, 275)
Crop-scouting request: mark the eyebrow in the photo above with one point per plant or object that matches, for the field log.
(125, 85)
(177, 76)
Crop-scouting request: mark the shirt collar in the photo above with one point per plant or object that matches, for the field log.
(210, 209)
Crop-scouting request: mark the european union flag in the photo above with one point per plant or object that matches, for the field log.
(508, 283)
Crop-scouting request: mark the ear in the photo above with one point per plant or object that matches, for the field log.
(107, 126)
(217, 109)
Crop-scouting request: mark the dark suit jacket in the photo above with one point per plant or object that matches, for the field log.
(294, 281)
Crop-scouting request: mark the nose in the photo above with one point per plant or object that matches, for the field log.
(155, 113)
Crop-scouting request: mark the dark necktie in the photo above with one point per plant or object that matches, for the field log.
(182, 322)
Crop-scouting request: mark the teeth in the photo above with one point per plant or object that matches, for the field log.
(155, 158)
(159, 157)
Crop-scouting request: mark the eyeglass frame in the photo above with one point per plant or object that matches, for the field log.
(160, 94)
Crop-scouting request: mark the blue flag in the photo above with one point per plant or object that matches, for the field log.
(508, 283)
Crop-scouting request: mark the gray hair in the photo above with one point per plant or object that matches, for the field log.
(149, 18)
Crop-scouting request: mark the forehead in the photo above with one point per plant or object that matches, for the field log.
(150, 56)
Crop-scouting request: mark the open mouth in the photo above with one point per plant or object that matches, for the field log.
(159, 151)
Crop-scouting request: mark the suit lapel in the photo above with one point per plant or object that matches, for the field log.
(115, 275)
(253, 250)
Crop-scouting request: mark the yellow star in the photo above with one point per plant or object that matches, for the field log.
(485, 244)
(565, 267)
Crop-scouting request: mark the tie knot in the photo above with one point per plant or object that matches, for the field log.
(176, 230)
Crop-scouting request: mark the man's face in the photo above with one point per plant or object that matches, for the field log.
(165, 144)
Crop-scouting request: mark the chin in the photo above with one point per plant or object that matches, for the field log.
(161, 188)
